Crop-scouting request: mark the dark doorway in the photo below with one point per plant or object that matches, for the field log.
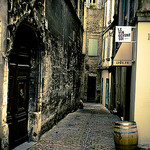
(24, 48)
(128, 88)
(91, 89)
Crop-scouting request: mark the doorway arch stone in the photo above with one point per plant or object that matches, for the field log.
(23, 112)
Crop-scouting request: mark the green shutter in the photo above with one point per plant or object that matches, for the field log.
(93, 47)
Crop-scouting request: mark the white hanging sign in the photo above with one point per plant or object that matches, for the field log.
(123, 34)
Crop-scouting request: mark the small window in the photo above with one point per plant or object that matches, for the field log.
(93, 1)
(93, 47)
(88, 3)
(99, 4)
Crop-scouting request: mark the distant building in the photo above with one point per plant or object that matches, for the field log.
(92, 40)
(40, 67)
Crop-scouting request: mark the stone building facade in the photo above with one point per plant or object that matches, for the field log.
(92, 40)
(40, 53)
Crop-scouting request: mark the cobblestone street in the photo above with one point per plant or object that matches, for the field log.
(90, 128)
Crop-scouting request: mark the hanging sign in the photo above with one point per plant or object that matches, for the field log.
(123, 34)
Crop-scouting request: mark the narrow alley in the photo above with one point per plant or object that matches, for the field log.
(57, 54)
(86, 129)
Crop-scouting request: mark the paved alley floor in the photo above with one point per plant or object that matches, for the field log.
(90, 128)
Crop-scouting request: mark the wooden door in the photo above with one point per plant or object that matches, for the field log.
(17, 113)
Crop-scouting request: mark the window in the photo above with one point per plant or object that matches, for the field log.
(122, 13)
(99, 4)
(131, 9)
(108, 47)
(104, 47)
(94, 3)
(93, 47)
(88, 3)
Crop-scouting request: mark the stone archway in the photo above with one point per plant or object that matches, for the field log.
(24, 84)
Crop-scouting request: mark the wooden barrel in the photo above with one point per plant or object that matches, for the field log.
(126, 135)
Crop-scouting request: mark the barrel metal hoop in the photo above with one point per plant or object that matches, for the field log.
(125, 132)
(126, 145)
(126, 127)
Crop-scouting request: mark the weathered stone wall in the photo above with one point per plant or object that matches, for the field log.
(3, 75)
(93, 20)
(144, 5)
(61, 63)
(55, 73)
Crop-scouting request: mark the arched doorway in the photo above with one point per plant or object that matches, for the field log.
(22, 63)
